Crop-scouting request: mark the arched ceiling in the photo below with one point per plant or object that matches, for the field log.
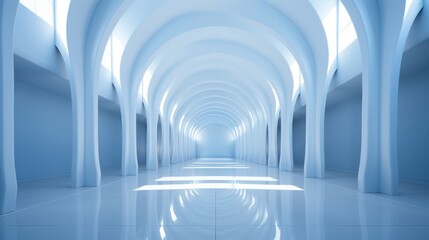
(198, 63)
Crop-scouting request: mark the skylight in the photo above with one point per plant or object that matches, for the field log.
(107, 56)
(340, 31)
(42, 8)
(330, 26)
(112, 58)
(116, 54)
(346, 29)
(407, 7)
(61, 14)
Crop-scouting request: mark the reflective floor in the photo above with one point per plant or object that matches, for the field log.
(215, 199)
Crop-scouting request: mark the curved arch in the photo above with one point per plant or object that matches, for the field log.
(287, 26)
(307, 54)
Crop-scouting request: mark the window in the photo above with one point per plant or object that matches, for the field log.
(107, 56)
(330, 26)
(61, 14)
(346, 29)
(116, 54)
(42, 8)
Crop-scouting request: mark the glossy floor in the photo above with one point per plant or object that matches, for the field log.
(216, 199)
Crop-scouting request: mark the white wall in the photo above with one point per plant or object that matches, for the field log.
(44, 134)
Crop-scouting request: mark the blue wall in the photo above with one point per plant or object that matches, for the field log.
(343, 131)
(44, 134)
(110, 138)
(141, 142)
(299, 140)
(215, 141)
(343, 134)
(413, 127)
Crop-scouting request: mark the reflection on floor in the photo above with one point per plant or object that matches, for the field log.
(199, 200)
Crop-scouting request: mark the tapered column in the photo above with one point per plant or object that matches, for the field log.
(320, 131)
(368, 177)
(8, 183)
(92, 159)
(286, 150)
(152, 141)
(86, 163)
(129, 138)
(248, 145)
(261, 143)
(272, 142)
(382, 55)
(174, 140)
(166, 143)
(311, 159)
(180, 147)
